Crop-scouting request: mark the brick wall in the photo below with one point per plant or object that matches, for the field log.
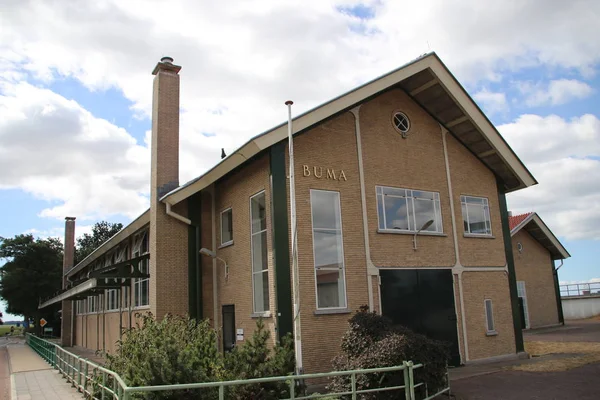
(477, 287)
(533, 266)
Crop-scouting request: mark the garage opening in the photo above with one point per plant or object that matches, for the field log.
(422, 300)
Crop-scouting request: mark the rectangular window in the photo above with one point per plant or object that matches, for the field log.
(328, 249)
(489, 317)
(79, 307)
(112, 299)
(522, 294)
(226, 227)
(141, 286)
(476, 215)
(408, 210)
(92, 304)
(260, 273)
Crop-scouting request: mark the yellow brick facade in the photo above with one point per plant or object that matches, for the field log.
(533, 266)
(417, 162)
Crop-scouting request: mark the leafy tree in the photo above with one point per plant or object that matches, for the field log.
(33, 270)
(101, 232)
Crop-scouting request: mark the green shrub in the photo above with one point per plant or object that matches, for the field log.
(178, 350)
(173, 350)
(254, 359)
(373, 342)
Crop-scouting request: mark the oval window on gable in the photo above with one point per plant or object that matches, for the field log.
(401, 122)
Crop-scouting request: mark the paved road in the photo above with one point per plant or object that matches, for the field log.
(579, 383)
(4, 372)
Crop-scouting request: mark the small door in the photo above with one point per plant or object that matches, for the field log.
(228, 327)
(522, 310)
(422, 300)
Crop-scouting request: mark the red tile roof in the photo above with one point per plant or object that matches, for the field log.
(517, 219)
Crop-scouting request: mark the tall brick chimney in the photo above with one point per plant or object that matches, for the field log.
(168, 236)
(66, 337)
(165, 128)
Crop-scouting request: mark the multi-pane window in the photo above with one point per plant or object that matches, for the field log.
(489, 317)
(79, 307)
(226, 227)
(328, 249)
(112, 299)
(92, 304)
(408, 210)
(141, 286)
(260, 273)
(476, 215)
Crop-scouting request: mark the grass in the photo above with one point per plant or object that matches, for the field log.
(583, 353)
(4, 329)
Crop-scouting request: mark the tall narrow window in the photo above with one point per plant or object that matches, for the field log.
(260, 273)
(408, 210)
(328, 249)
(489, 317)
(111, 299)
(141, 286)
(476, 215)
(226, 227)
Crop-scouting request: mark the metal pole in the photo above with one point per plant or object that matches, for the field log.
(295, 274)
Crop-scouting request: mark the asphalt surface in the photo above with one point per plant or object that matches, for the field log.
(581, 383)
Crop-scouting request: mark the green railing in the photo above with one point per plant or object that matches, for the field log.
(97, 382)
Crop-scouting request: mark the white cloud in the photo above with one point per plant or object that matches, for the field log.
(564, 156)
(556, 92)
(492, 102)
(240, 63)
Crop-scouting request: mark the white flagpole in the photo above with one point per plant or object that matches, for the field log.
(295, 274)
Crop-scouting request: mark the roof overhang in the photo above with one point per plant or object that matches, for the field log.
(429, 82)
(124, 233)
(534, 225)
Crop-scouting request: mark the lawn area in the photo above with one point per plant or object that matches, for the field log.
(4, 329)
(579, 354)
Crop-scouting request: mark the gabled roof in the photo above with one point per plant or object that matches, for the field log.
(430, 84)
(534, 225)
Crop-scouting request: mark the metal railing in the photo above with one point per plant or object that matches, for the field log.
(580, 289)
(97, 382)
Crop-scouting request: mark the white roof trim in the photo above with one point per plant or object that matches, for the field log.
(124, 233)
(535, 218)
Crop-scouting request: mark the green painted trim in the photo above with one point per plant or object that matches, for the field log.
(510, 261)
(194, 270)
(561, 317)
(281, 249)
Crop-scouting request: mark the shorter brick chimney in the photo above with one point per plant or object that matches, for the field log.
(66, 325)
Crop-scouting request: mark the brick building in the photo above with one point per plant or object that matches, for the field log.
(535, 248)
(400, 194)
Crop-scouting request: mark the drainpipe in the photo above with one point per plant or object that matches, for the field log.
(562, 261)
(458, 268)
(212, 192)
(175, 215)
(371, 268)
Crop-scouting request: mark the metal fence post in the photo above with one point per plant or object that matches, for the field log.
(221, 392)
(406, 379)
(292, 388)
(411, 379)
(353, 383)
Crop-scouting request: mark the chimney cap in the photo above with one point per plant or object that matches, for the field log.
(166, 64)
(70, 218)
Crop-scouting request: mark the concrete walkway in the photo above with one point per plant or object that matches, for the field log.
(31, 378)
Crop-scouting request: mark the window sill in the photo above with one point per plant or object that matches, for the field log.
(332, 311)
(223, 245)
(472, 235)
(266, 314)
(412, 233)
(140, 308)
(491, 333)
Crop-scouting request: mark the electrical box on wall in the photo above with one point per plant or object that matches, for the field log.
(239, 334)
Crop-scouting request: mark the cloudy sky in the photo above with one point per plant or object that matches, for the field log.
(75, 93)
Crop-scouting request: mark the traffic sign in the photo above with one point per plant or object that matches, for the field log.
(43, 322)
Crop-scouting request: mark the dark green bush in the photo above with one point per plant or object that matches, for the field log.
(373, 342)
(254, 359)
(178, 350)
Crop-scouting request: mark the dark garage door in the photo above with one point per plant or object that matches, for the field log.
(422, 300)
